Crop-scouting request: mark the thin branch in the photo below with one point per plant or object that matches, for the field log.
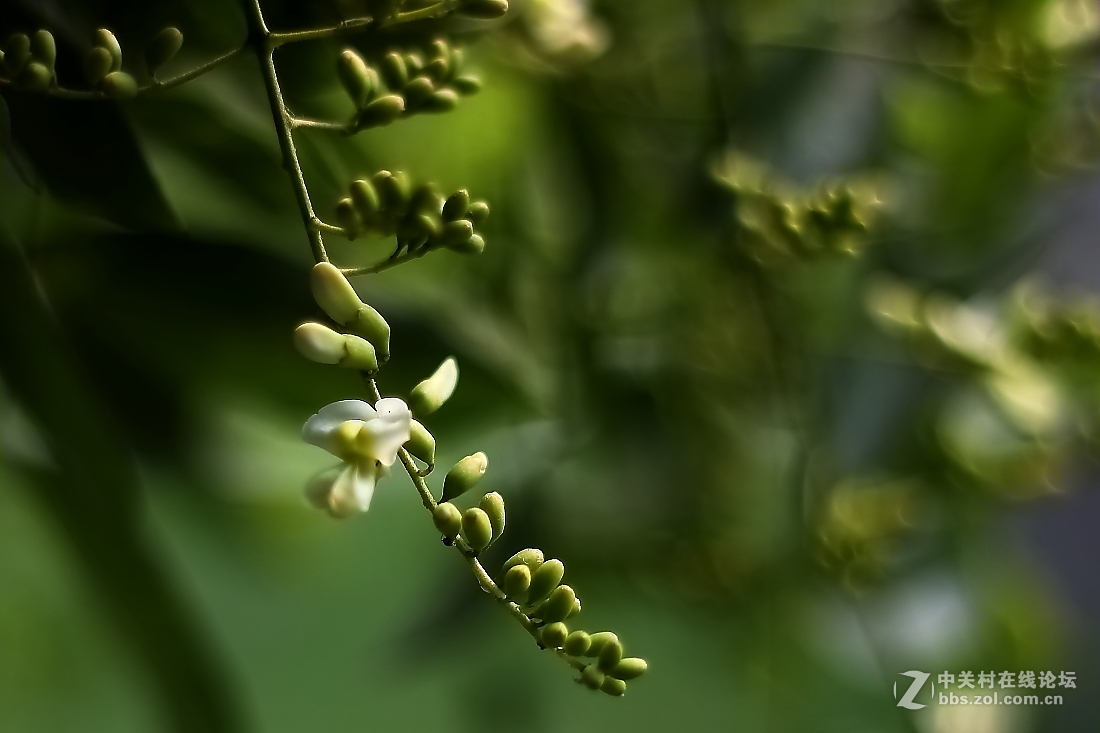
(304, 122)
(347, 26)
(386, 264)
(432, 11)
(154, 86)
(260, 36)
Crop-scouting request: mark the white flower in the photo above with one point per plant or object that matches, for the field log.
(366, 439)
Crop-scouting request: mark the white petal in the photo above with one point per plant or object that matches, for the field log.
(318, 428)
(379, 440)
(353, 489)
(393, 409)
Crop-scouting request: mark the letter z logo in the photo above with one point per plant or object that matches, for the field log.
(907, 700)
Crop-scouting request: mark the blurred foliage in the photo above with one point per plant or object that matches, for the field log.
(783, 421)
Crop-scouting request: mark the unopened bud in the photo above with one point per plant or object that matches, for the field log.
(629, 668)
(418, 91)
(448, 520)
(358, 79)
(394, 70)
(444, 100)
(466, 85)
(393, 190)
(545, 580)
(554, 635)
(97, 64)
(559, 604)
(119, 85)
(380, 112)
(321, 344)
(35, 77)
(530, 557)
(339, 301)
(613, 687)
(44, 49)
(598, 640)
(456, 233)
(455, 206)
(421, 443)
(484, 9)
(347, 218)
(429, 395)
(478, 212)
(611, 653)
(592, 677)
(476, 529)
(365, 199)
(105, 39)
(516, 582)
(475, 245)
(577, 643)
(17, 52)
(493, 506)
(464, 475)
(162, 48)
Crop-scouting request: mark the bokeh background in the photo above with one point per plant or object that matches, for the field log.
(784, 341)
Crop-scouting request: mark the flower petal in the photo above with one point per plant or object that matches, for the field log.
(353, 489)
(318, 428)
(379, 440)
(393, 409)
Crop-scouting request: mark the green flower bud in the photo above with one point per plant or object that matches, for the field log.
(559, 604)
(516, 582)
(613, 687)
(545, 580)
(478, 212)
(466, 85)
(554, 635)
(456, 233)
(438, 69)
(358, 79)
(611, 653)
(393, 190)
(530, 557)
(629, 668)
(448, 520)
(334, 293)
(475, 245)
(394, 70)
(97, 64)
(418, 91)
(346, 217)
(44, 49)
(476, 529)
(365, 199)
(598, 640)
(484, 9)
(443, 100)
(592, 677)
(425, 198)
(321, 344)
(35, 77)
(429, 395)
(380, 112)
(577, 643)
(17, 52)
(162, 48)
(493, 505)
(119, 85)
(421, 443)
(440, 49)
(455, 206)
(105, 39)
(465, 474)
(413, 63)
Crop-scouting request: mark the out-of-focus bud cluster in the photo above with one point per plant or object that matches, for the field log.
(404, 83)
(779, 222)
(420, 217)
(563, 32)
(29, 61)
(1024, 398)
(370, 337)
(860, 526)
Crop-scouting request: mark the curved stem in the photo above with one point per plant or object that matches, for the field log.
(154, 86)
(432, 11)
(354, 24)
(299, 122)
(260, 39)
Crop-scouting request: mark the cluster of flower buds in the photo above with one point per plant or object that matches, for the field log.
(779, 222)
(365, 347)
(29, 60)
(534, 584)
(420, 217)
(404, 84)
